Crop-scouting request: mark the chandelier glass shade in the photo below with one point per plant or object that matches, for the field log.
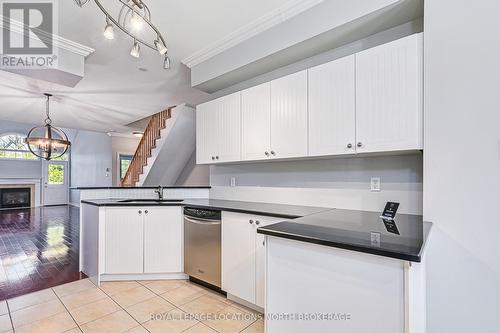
(46, 141)
(134, 19)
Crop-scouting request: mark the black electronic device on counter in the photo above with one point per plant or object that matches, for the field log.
(390, 210)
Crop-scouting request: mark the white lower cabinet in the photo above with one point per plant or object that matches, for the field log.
(143, 240)
(260, 270)
(124, 241)
(163, 240)
(243, 256)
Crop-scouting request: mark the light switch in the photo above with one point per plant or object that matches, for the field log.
(233, 181)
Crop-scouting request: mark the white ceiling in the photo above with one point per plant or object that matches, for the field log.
(114, 91)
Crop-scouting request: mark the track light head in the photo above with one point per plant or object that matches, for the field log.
(162, 49)
(136, 50)
(166, 62)
(109, 31)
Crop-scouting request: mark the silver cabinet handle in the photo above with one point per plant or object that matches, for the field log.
(251, 221)
(257, 222)
(360, 144)
(267, 153)
(349, 145)
(201, 221)
(216, 157)
(213, 158)
(273, 152)
(145, 212)
(140, 212)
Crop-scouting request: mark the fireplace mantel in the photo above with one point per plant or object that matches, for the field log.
(33, 183)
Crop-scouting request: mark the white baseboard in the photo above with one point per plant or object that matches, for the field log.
(245, 303)
(145, 277)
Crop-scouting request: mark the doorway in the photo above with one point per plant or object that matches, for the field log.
(55, 183)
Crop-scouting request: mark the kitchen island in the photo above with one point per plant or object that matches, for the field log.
(346, 271)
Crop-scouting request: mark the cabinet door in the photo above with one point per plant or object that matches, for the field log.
(332, 108)
(389, 112)
(260, 260)
(289, 116)
(123, 241)
(256, 122)
(206, 135)
(163, 240)
(238, 255)
(228, 128)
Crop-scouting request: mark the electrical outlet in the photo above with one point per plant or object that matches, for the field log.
(375, 184)
(375, 239)
(233, 181)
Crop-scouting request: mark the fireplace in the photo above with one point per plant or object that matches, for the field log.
(19, 197)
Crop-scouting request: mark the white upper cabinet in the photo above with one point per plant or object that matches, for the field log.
(206, 135)
(389, 83)
(256, 122)
(365, 103)
(219, 130)
(228, 126)
(332, 108)
(289, 116)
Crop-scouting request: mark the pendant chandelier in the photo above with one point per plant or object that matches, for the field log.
(46, 141)
(133, 17)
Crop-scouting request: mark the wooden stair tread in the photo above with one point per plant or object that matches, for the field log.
(152, 134)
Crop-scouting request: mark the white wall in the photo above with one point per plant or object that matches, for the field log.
(334, 182)
(91, 159)
(124, 146)
(193, 174)
(326, 25)
(462, 165)
(18, 169)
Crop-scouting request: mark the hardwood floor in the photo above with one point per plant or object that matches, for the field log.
(38, 249)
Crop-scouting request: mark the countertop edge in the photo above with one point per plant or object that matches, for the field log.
(344, 246)
(83, 188)
(183, 204)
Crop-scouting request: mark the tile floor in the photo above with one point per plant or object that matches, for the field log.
(134, 307)
(38, 249)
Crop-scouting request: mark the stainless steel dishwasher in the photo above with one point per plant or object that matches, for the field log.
(202, 245)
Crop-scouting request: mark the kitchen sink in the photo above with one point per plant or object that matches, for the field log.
(151, 200)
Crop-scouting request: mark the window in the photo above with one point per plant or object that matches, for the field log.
(56, 174)
(124, 164)
(13, 146)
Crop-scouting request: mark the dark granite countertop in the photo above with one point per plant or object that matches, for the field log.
(346, 229)
(138, 188)
(266, 209)
(358, 231)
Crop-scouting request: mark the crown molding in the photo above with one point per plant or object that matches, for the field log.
(57, 41)
(263, 23)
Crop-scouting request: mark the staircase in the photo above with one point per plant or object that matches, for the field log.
(165, 148)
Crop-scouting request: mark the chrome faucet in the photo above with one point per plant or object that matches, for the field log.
(159, 191)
